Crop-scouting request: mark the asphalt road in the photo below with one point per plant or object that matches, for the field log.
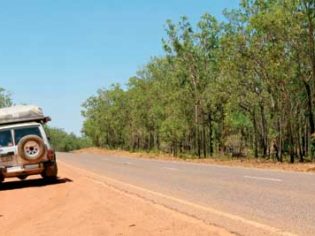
(243, 201)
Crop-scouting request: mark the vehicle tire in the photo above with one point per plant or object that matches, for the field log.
(31, 148)
(22, 177)
(50, 172)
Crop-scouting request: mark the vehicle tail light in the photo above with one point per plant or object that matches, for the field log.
(51, 154)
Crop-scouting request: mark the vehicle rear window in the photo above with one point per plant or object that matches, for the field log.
(6, 138)
(22, 132)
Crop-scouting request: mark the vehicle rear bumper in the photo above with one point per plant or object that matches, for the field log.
(23, 170)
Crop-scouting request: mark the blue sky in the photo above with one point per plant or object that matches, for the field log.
(57, 53)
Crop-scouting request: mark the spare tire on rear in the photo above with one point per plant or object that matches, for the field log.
(31, 148)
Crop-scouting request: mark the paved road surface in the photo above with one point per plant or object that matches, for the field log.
(244, 201)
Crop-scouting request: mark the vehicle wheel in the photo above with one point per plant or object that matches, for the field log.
(22, 177)
(1, 179)
(31, 148)
(50, 172)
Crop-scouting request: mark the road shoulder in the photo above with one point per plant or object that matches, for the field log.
(238, 162)
(78, 205)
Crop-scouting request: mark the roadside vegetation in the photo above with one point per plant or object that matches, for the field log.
(243, 87)
(65, 142)
(5, 98)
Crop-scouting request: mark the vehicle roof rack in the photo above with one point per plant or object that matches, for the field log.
(22, 114)
(41, 120)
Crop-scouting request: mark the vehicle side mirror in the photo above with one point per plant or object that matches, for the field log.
(49, 139)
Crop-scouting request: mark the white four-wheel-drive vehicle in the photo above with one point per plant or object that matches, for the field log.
(24, 146)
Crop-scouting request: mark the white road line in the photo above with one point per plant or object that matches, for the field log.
(170, 168)
(113, 161)
(263, 178)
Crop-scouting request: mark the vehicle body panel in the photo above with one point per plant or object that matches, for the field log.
(11, 163)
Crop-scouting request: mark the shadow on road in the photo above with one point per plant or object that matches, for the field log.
(11, 185)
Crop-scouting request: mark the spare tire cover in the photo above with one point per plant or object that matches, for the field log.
(31, 148)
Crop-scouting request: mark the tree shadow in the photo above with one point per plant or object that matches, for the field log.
(11, 185)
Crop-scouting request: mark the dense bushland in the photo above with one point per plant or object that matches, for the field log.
(65, 142)
(244, 86)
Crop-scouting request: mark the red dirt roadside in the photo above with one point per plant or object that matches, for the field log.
(78, 206)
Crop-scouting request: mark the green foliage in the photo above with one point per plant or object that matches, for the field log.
(64, 142)
(249, 81)
(5, 98)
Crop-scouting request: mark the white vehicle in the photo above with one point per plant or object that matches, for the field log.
(24, 146)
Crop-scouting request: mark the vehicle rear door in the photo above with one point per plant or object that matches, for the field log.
(7, 148)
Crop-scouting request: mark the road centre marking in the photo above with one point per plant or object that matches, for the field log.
(107, 181)
(113, 161)
(262, 178)
(170, 168)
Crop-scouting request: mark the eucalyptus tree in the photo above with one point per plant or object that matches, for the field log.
(194, 54)
(106, 116)
(5, 98)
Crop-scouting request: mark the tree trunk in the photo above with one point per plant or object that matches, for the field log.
(310, 107)
(311, 40)
(291, 144)
(300, 142)
(198, 142)
(210, 134)
(255, 135)
(264, 133)
(204, 141)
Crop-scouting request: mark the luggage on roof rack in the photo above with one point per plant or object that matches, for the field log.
(21, 114)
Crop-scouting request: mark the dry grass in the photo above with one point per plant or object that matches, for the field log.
(218, 160)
